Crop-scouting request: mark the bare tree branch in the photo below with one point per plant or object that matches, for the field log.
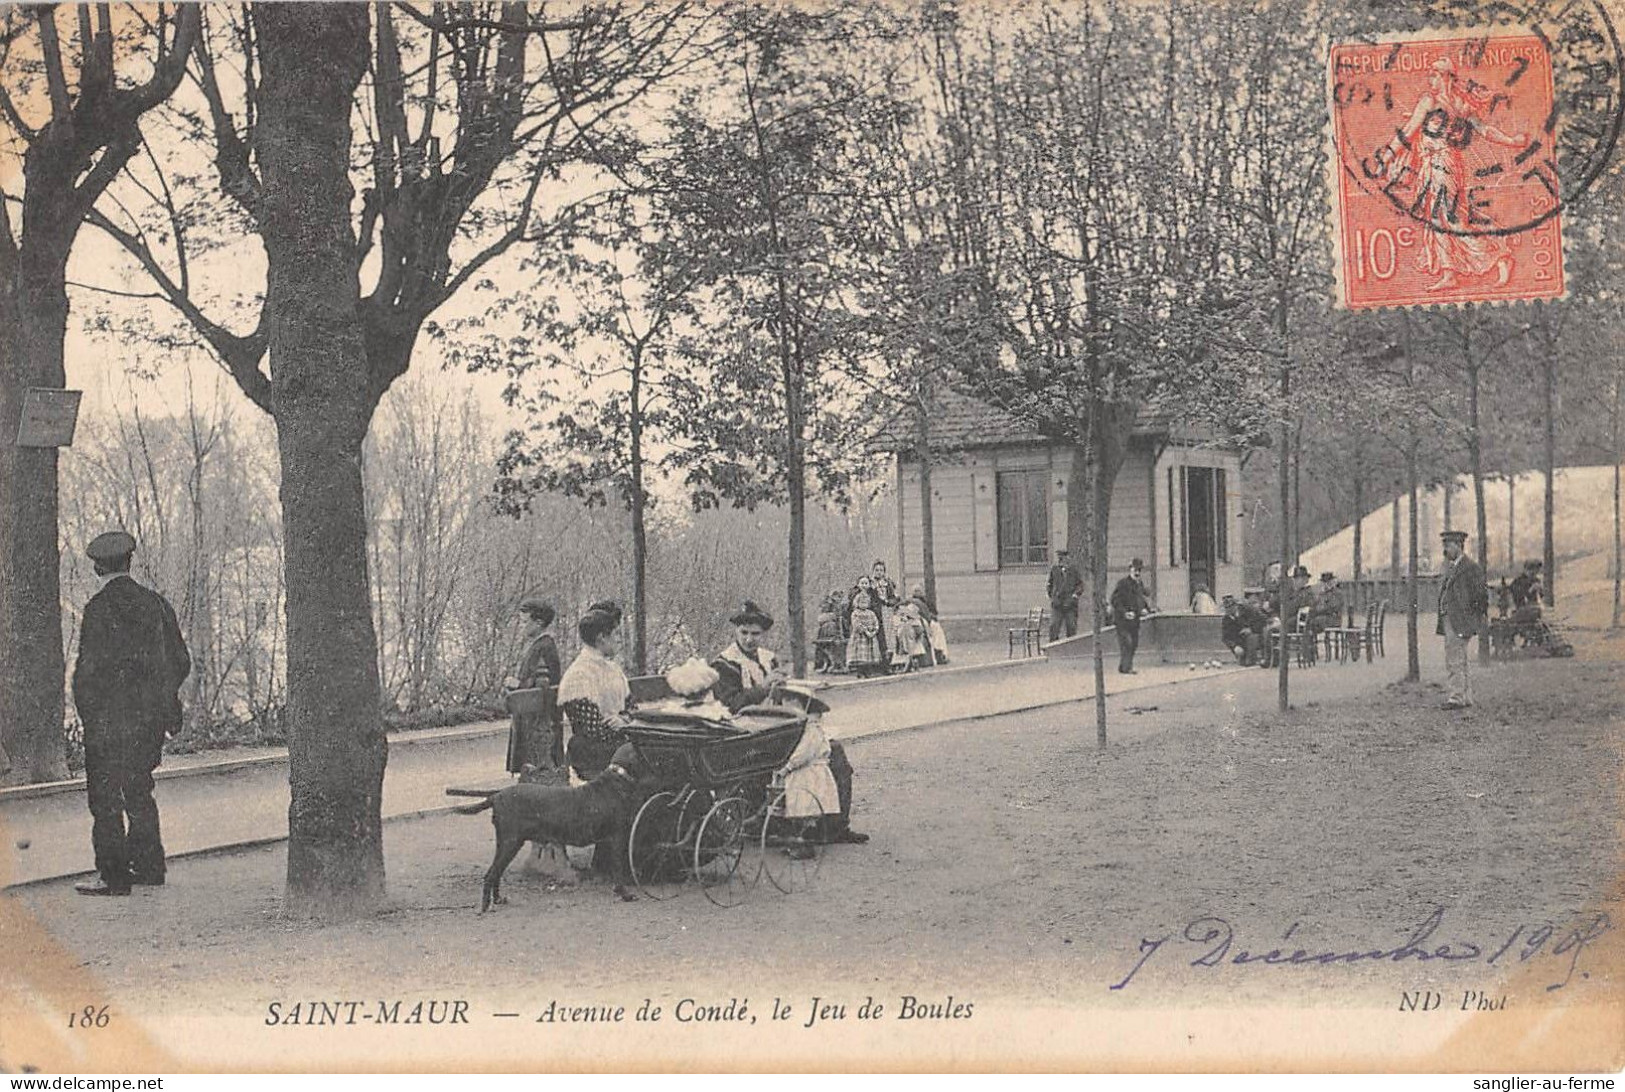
(240, 355)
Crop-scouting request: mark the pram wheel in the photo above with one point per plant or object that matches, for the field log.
(789, 858)
(719, 854)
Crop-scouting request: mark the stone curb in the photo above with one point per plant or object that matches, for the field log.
(451, 809)
(427, 735)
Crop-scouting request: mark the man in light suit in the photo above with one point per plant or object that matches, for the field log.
(126, 684)
(1464, 602)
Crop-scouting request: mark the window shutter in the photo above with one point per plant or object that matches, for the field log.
(1184, 529)
(985, 520)
(1173, 541)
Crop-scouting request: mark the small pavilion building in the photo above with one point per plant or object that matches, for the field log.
(999, 513)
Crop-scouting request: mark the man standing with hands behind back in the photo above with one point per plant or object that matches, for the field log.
(1463, 603)
(126, 685)
(1065, 586)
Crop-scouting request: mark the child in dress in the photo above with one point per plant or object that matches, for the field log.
(827, 645)
(864, 651)
(910, 648)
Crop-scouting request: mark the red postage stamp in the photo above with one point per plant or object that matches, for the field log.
(1445, 171)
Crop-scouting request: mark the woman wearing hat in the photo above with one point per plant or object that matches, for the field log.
(746, 675)
(530, 739)
(747, 672)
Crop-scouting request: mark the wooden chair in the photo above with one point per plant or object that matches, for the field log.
(1344, 641)
(1031, 634)
(1298, 640)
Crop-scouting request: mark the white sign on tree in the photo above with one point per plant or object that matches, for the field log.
(49, 417)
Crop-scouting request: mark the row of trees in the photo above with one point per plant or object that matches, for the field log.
(196, 484)
(713, 250)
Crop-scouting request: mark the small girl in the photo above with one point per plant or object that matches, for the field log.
(827, 643)
(864, 650)
(910, 648)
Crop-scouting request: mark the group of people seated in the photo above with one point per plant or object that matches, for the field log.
(1252, 624)
(1521, 616)
(594, 706)
(869, 629)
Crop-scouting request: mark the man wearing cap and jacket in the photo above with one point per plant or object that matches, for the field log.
(1464, 602)
(1129, 605)
(1065, 587)
(126, 685)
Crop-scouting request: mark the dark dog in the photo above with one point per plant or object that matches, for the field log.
(598, 812)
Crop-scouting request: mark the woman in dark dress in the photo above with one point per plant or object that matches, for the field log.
(531, 740)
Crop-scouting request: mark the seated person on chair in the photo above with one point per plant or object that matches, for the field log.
(593, 697)
(747, 673)
(1327, 612)
(1527, 595)
(1243, 628)
(1256, 600)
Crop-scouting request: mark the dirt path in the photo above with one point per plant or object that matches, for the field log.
(1012, 860)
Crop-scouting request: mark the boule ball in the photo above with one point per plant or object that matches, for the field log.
(23, 843)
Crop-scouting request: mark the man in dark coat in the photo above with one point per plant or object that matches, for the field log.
(1464, 602)
(1129, 606)
(126, 684)
(1064, 587)
(747, 674)
(1243, 628)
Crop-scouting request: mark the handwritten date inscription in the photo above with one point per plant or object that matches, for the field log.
(1214, 941)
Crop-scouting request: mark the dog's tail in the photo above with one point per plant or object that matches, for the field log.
(475, 809)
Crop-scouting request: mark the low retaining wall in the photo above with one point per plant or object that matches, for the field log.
(1172, 638)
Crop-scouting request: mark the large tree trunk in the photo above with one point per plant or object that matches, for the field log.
(639, 501)
(1393, 550)
(1613, 421)
(1359, 527)
(1413, 651)
(313, 56)
(1283, 690)
(1548, 462)
(1475, 457)
(1512, 522)
(928, 531)
(34, 308)
(796, 481)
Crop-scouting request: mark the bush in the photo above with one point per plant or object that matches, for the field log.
(266, 729)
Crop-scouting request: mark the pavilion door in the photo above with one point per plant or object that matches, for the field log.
(1201, 537)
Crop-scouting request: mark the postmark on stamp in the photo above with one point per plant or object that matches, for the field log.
(1455, 156)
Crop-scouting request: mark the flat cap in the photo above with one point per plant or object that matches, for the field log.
(1453, 536)
(111, 546)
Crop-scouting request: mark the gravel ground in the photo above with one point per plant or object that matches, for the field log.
(1017, 866)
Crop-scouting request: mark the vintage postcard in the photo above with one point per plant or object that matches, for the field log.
(675, 536)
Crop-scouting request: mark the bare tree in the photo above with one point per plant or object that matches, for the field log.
(71, 152)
